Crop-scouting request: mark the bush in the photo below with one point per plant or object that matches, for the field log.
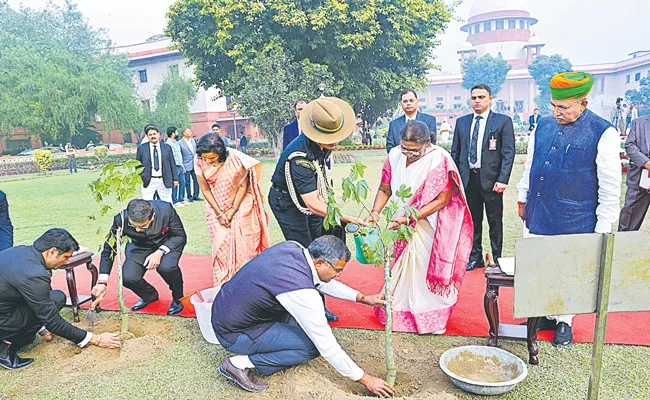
(43, 159)
(101, 153)
(261, 144)
(29, 166)
(521, 147)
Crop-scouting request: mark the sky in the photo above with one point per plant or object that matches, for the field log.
(586, 32)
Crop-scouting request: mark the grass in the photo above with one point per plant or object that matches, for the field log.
(188, 367)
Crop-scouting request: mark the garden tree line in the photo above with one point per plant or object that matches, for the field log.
(58, 77)
(371, 50)
(641, 96)
(542, 70)
(486, 69)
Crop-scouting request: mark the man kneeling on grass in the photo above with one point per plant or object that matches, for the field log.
(29, 305)
(270, 313)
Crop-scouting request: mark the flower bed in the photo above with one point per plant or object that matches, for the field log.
(29, 166)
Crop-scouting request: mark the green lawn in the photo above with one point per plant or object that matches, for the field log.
(186, 366)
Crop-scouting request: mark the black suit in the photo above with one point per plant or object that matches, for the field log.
(395, 127)
(167, 163)
(291, 132)
(165, 230)
(6, 229)
(495, 166)
(27, 301)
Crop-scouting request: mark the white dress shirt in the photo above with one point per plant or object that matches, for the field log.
(413, 118)
(155, 147)
(306, 306)
(608, 171)
(481, 133)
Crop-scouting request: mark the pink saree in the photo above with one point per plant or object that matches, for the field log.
(248, 234)
(429, 269)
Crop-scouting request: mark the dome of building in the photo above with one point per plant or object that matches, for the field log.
(485, 6)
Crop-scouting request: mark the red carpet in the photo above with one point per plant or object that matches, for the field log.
(468, 318)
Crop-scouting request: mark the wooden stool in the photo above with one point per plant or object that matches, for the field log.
(84, 258)
(496, 279)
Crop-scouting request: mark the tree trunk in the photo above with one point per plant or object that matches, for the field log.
(124, 312)
(391, 369)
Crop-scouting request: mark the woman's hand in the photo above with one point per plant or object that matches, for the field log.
(223, 220)
(396, 222)
(353, 220)
(374, 216)
(230, 214)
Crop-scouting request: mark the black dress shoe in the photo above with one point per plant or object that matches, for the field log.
(330, 317)
(242, 377)
(563, 335)
(142, 303)
(9, 359)
(175, 307)
(472, 265)
(198, 199)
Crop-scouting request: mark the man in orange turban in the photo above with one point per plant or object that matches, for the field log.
(572, 177)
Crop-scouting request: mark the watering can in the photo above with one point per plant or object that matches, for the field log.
(360, 238)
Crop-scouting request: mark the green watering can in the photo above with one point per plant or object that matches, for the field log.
(371, 238)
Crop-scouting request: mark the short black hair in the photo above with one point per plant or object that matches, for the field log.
(300, 100)
(58, 238)
(415, 131)
(407, 91)
(537, 109)
(329, 248)
(217, 125)
(150, 127)
(171, 130)
(139, 210)
(212, 143)
(482, 86)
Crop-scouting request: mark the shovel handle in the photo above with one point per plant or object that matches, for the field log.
(97, 301)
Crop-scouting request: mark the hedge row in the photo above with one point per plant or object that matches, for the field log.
(58, 164)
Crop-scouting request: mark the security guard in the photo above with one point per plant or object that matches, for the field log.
(301, 181)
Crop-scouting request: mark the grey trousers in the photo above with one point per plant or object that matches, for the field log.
(633, 213)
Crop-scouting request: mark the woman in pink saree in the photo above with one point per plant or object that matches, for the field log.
(238, 224)
(428, 269)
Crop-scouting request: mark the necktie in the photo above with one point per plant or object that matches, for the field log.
(473, 157)
(156, 160)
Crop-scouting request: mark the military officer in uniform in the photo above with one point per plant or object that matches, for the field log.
(301, 181)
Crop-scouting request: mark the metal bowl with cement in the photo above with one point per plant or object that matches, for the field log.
(483, 370)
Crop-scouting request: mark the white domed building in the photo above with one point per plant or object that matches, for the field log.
(504, 29)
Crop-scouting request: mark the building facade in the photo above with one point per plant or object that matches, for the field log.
(504, 29)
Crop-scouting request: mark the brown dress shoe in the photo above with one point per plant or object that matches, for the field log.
(242, 377)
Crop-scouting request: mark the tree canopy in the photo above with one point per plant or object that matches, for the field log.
(542, 70)
(58, 75)
(173, 101)
(486, 69)
(373, 49)
(641, 96)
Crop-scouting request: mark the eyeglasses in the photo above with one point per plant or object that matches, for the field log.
(414, 153)
(337, 270)
(560, 108)
(142, 226)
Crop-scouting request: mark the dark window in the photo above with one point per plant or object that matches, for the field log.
(637, 77)
(146, 105)
(512, 24)
(456, 97)
(173, 69)
(451, 117)
(457, 106)
(17, 144)
(440, 98)
(522, 24)
(487, 26)
(143, 75)
(519, 105)
(627, 78)
(477, 28)
(500, 24)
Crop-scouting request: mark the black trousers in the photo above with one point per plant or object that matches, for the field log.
(477, 200)
(133, 272)
(31, 324)
(294, 224)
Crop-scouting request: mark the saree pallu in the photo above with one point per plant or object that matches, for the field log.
(248, 233)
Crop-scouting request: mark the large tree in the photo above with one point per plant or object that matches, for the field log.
(173, 101)
(374, 49)
(271, 85)
(640, 97)
(486, 69)
(542, 70)
(57, 76)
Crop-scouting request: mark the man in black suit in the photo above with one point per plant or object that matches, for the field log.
(409, 102)
(533, 120)
(157, 241)
(159, 175)
(28, 304)
(292, 130)
(484, 150)
(6, 229)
